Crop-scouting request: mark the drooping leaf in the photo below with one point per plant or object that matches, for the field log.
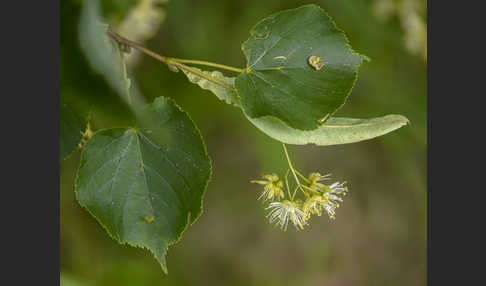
(100, 50)
(300, 68)
(105, 55)
(336, 130)
(82, 86)
(72, 127)
(145, 185)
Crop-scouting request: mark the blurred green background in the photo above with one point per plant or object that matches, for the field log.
(379, 236)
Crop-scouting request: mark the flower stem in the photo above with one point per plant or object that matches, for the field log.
(293, 171)
(295, 191)
(310, 190)
(302, 176)
(287, 183)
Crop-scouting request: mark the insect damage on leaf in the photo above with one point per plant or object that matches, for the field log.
(316, 63)
(262, 35)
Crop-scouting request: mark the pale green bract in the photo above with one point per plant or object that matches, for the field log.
(145, 185)
(336, 130)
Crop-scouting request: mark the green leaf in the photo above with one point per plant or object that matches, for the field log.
(336, 130)
(300, 68)
(72, 127)
(101, 51)
(221, 92)
(145, 185)
(105, 54)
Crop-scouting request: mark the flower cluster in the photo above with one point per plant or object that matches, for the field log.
(318, 198)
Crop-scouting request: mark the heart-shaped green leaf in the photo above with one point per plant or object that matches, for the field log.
(336, 130)
(72, 127)
(300, 68)
(145, 185)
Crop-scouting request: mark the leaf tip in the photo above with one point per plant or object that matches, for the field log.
(164, 269)
(404, 120)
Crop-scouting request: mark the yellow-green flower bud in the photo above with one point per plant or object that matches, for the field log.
(315, 187)
(328, 201)
(272, 187)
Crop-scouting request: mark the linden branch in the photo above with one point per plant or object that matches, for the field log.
(174, 62)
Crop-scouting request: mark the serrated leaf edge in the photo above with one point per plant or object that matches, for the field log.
(190, 220)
